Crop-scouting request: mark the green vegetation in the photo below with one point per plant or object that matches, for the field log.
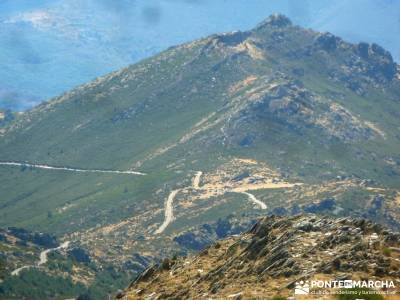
(34, 284)
(387, 252)
(279, 298)
(108, 282)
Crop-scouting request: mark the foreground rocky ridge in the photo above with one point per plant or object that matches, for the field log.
(271, 257)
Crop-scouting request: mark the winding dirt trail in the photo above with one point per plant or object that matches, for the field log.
(196, 180)
(243, 189)
(47, 167)
(169, 212)
(17, 271)
(43, 258)
(43, 255)
(255, 200)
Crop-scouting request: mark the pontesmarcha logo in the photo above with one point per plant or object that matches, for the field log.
(309, 287)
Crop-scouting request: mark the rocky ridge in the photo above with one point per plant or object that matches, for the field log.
(272, 256)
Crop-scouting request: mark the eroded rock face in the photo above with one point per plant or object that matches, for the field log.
(281, 100)
(381, 62)
(233, 38)
(327, 41)
(276, 20)
(363, 65)
(280, 251)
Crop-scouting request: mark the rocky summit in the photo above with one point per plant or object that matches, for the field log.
(267, 261)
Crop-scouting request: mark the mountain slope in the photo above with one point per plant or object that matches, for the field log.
(278, 119)
(236, 93)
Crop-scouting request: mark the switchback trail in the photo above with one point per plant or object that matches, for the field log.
(17, 271)
(169, 213)
(255, 200)
(43, 257)
(169, 210)
(196, 180)
(47, 167)
(43, 254)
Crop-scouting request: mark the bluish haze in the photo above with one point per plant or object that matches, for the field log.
(48, 47)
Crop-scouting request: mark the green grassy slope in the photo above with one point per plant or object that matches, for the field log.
(126, 117)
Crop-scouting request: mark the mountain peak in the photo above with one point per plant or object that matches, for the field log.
(275, 20)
